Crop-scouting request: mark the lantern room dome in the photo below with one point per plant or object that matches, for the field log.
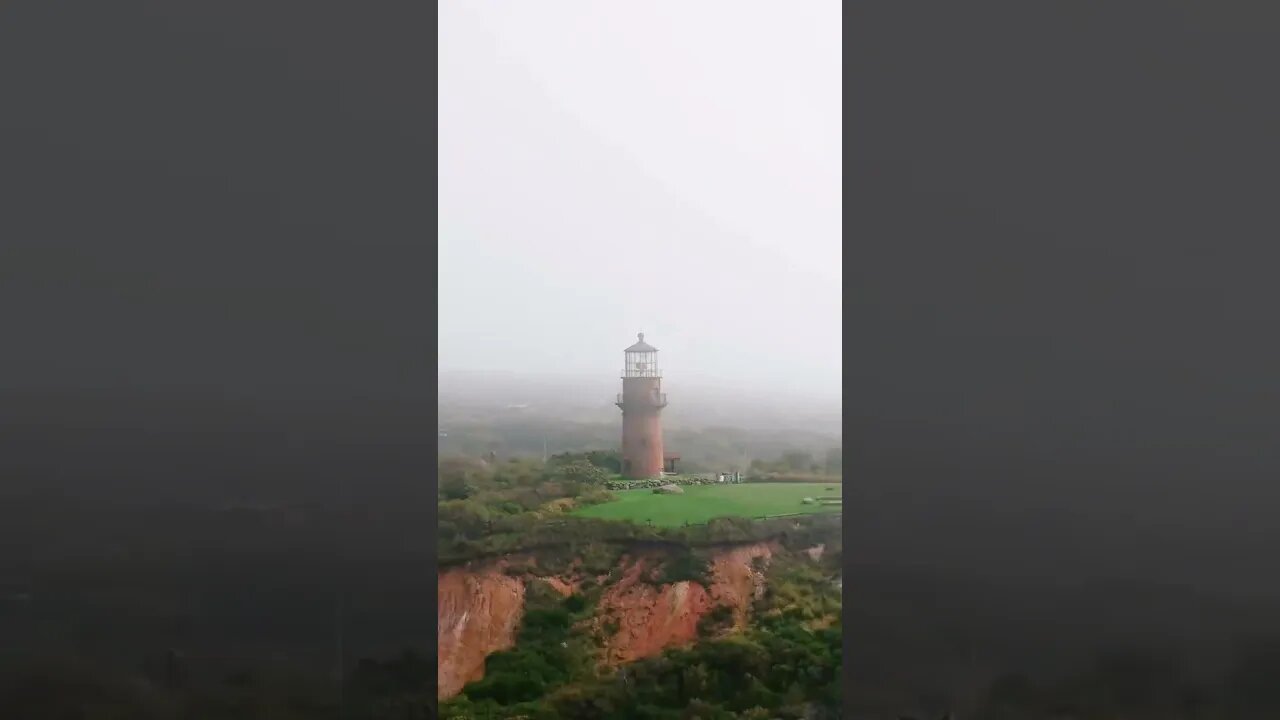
(641, 346)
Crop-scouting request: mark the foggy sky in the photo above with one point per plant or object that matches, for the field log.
(668, 168)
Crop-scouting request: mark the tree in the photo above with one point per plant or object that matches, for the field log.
(797, 460)
(518, 473)
(456, 488)
(460, 477)
(608, 460)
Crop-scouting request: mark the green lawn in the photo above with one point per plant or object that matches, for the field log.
(700, 503)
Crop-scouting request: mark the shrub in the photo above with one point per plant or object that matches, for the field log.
(720, 618)
(684, 565)
(579, 472)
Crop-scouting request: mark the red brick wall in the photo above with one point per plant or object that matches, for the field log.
(641, 427)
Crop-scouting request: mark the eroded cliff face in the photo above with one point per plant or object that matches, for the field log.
(739, 577)
(478, 613)
(641, 620)
(480, 610)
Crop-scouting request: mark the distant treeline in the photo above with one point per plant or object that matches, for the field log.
(800, 463)
(711, 449)
(792, 478)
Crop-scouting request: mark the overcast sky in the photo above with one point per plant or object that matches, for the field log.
(665, 167)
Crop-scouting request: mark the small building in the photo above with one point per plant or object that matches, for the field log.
(669, 461)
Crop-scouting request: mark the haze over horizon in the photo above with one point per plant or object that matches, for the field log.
(672, 186)
(575, 398)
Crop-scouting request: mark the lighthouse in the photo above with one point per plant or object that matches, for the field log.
(641, 401)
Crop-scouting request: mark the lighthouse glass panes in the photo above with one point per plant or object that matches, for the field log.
(641, 364)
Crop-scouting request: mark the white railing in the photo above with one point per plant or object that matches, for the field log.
(641, 373)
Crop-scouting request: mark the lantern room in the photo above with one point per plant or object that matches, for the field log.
(641, 360)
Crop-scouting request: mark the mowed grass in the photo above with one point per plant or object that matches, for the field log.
(701, 503)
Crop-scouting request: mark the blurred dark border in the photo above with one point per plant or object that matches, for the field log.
(1060, 391)
(217, 289)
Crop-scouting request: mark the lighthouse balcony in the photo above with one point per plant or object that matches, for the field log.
(655, 399)
(634, 372)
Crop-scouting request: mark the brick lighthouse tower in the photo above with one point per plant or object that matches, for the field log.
(641, 401)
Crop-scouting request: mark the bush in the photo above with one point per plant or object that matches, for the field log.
(596, 496)
(579, 472)
(720, 618)
(684, 565)
(575, 604)
(599, 558)
(610, 461)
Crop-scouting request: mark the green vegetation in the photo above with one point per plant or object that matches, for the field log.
(784, 671)
(517, 505)
(701, 503)
(609, 461)
(718, 620)
(685, 563)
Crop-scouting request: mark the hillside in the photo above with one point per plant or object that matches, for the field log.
(647, 611)
(544, 614)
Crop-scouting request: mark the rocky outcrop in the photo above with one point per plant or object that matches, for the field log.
(477, 614)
